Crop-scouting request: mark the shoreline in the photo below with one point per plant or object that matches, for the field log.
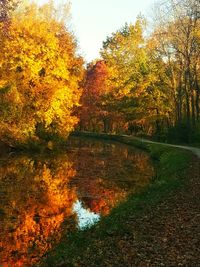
(172, 175)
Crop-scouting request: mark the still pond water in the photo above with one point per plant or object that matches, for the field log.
(41, 198)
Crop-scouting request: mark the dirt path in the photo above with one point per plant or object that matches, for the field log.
(194, 150)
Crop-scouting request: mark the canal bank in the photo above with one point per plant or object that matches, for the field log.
(149, 228)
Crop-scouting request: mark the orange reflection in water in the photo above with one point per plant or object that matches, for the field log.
(42, 198)
(35, 201)
(107, 172)
(100, 197)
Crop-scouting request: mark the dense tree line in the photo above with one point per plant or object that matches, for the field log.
(142, 84)
(151, 85)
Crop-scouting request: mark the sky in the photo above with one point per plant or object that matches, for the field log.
(94, 20)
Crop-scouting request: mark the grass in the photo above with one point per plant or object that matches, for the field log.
(172, 165)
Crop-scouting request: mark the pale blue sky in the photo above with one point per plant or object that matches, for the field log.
(94, 20)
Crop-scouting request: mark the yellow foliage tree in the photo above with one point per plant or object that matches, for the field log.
(39, 76)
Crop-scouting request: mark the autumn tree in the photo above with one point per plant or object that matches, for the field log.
(153, 82)
(93, 113)
(124, 90)
(133, 79)
(39, 76)
(178, 44)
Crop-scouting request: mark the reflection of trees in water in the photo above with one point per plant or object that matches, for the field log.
(108, 172)
(37, 195)
(100, 196)
(35, 200)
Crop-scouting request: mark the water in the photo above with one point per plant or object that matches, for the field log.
(41, 198)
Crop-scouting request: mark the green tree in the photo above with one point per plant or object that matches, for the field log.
(133, 79)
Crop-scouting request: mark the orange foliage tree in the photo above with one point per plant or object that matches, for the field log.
(94, 87)
(95, 114)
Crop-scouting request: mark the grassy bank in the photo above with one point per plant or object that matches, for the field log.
(170, 176)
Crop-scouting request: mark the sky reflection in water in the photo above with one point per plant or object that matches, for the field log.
(86, 218)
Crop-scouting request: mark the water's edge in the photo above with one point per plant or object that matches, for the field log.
(172, 169)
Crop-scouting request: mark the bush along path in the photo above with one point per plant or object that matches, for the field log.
(158, 227)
